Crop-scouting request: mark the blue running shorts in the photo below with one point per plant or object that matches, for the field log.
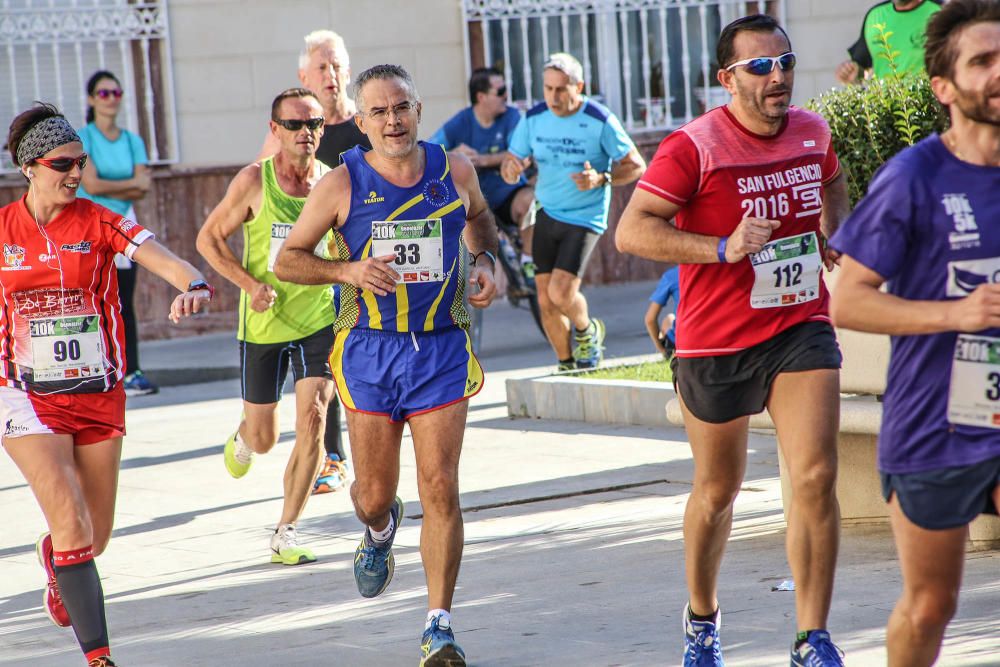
(400, 375)
(946, 497)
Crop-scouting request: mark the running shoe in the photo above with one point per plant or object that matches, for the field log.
(374, 563)
(701, 641)
(237, 456)
(438, 647)
(285, 547)
(817, 651)
(333, 476)
(137, 384)
(566, 366)
(528, 270)
(102, 661)
(51, 599)
(589, 350)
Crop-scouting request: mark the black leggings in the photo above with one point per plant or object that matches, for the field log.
(126, 292)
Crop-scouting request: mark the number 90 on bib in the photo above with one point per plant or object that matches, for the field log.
(417, 245)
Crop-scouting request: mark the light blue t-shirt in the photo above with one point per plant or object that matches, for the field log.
(464, 128)
(560, 146)
(114, 161)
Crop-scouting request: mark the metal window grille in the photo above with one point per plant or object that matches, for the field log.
(650, 61)
(49, 48)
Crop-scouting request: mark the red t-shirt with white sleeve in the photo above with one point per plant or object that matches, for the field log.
(719, 173)
(60, 319)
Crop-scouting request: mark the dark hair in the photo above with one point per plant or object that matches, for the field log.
(946, 27)
(724, 51)
(383, 72)
(479, 82)
(92, 86)
(25, 121)
(288, 94)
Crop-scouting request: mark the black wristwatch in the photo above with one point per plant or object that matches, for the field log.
(201, 284)
(489, 255)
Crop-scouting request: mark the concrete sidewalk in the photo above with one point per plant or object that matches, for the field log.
(573, 554)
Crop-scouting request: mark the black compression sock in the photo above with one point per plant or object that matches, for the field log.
(331, 437)
(703, 619)
(80, 587)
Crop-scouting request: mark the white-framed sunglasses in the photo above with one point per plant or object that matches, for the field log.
(765, 64)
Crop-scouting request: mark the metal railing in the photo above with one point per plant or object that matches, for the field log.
(49, 48)
(650, 61)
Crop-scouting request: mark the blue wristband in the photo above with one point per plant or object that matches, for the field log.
(721, 250)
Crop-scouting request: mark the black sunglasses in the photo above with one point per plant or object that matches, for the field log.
(502, 91)
(296, 125)
(63, 164)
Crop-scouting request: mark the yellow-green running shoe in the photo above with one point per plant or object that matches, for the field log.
(285, 547)
(237, 455)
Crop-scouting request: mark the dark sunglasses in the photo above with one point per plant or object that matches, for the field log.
(296, 125)
(64, 164)
(502, 91)
(104, 93)
(765, 65)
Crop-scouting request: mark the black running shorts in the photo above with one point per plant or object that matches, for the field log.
(946, 497)
(721, 388)
(503, 211)
(559, 245)
(264, 366)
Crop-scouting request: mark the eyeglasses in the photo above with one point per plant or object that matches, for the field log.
(765, 65)
(105, 93)
(502, 91)
(296, 125)
(64, 164)
(381, 115)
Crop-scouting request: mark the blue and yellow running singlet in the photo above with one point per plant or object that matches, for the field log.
(423, 225)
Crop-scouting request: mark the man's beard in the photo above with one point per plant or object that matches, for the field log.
(975, 105)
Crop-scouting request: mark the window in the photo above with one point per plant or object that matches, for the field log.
(650, 61)
(49, 48)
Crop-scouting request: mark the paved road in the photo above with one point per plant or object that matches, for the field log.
(573, 546)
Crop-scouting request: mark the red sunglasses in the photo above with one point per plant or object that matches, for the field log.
(105, 93)
(64, 164)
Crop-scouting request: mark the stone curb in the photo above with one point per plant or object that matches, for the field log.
(593, 401)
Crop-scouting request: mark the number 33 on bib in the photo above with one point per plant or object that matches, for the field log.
(786, 272)
(417, 246)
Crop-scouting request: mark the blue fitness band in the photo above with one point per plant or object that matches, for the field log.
(721, 250)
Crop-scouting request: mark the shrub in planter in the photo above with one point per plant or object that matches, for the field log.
(872, 122)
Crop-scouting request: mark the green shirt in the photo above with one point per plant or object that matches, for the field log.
(907, 39)
(298, 310)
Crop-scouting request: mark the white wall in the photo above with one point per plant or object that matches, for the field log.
(231, 57)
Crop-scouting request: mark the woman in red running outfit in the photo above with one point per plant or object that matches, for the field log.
(62, 406)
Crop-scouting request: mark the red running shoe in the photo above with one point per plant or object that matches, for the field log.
(51, 599)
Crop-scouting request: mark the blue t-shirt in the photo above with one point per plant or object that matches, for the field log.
(464, 128)
(560, 146)
(114, 161)
(668, 288)
(928, 226)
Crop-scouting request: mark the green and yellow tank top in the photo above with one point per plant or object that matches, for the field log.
(298, 310)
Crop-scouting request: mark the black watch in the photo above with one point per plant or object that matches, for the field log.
(201, 284)
(489, 255)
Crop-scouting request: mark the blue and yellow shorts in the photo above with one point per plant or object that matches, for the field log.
(400, 375)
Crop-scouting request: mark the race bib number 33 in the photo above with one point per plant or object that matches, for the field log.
(417, 246)
(974, 395)
(786, 272)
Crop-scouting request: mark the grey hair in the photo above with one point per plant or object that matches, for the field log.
(566, 64)
(384, 72)
(318, 38)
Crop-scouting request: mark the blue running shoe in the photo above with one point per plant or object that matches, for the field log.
(701, 641)
(438, 647)
(817, 651)
(137, 384)
(373, 563)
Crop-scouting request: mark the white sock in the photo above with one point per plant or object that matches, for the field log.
(243, 453)
(442, 614)
(525, 258)
(385, 533)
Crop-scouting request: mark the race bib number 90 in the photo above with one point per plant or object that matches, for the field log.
(786, 272)
(66, 348)
(974, 395)
(417, 246)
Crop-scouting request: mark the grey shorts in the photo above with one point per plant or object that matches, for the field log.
(946, 497)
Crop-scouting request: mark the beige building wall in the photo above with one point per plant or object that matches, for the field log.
(232, 56)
